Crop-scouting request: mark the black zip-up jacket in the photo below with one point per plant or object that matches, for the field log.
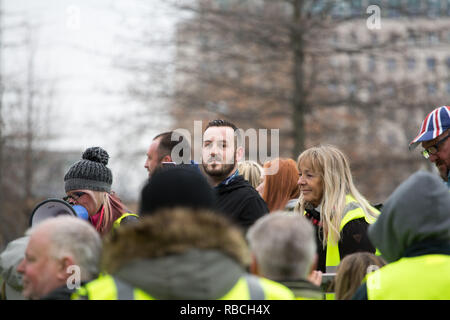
(240, 201)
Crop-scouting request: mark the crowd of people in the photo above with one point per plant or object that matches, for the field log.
(234, 229)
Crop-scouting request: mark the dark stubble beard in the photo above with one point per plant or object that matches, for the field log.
(219, 173)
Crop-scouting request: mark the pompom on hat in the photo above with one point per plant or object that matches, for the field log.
(90, 172)
(434, 124)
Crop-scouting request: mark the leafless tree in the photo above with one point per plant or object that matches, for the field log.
(313, 69)
(26, 109)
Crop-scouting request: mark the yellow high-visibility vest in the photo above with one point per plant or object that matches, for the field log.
(119, 220)
(352, 211)
(248, 287)
(424, 277)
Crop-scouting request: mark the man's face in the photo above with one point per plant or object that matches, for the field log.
(442, 157)
(218, 152)
(153, 161)
(41, 272)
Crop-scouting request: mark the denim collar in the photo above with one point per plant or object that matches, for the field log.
(229, 179)
(448, 179)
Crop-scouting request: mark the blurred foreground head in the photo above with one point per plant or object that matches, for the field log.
(176, 187)
(54, 248)
(178, 253)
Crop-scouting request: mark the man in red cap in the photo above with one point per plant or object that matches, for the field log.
(434, 135)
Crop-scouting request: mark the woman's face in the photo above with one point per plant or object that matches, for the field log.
(88, 199)
(310, 183)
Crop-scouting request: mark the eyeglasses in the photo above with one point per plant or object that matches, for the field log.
(434, 148)
(74, 196)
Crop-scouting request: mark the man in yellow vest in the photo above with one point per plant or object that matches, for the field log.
(413, 236)
(284, 250)
(179, 254)
(181, 249)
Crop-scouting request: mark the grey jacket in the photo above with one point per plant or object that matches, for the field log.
(9, 260)
(194, 274)
(178, 254)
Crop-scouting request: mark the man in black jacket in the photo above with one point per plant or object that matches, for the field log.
(236, 198)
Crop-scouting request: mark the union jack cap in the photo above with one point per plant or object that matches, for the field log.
(434, 124)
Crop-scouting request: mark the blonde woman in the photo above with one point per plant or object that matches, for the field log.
(251, 171)
(331, 201)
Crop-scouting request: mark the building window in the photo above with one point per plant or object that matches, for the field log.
(448, 87)
(431, 88)
(352, 88)
(374, 37)
(433, 8)
(390, 90)
(413, 7)
(412, 38)
(447, 62)
(431, 64)
(353, 65)
(433, 38)
(341, 9)
(333, 86)
(394, 8)
(334, 39)
(372, 63)
(391, 64)
(357, 8)
(411, 63)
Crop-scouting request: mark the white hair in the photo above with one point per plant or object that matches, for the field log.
(71, 236)
(283, 244)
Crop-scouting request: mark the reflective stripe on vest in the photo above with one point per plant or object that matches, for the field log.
(352, 211)
(119, 220)
(124, 290)
(255, 290)
(247, 287)
(424, 277)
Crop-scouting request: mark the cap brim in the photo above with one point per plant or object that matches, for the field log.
(413, 145)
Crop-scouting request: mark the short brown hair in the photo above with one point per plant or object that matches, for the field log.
(225, 123)
(166, 144)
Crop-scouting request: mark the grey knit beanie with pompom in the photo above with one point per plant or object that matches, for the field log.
(90, 172)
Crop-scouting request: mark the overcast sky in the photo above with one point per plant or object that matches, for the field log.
(76, 44)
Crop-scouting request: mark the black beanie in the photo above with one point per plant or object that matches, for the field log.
(176, 187)
(90, 172)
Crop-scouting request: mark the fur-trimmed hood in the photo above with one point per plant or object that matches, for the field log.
(178, 254)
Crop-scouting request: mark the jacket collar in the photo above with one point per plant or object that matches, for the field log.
(228, 179)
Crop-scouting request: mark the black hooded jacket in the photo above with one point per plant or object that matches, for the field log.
(240, 201)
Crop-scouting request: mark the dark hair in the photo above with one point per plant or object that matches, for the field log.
(166, 143)
(225, 123)
(221, 123)
(176, 187)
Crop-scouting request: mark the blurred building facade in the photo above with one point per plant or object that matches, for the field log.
(366, 90)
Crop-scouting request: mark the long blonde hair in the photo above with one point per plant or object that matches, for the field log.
(251, 171)
(334, 169)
